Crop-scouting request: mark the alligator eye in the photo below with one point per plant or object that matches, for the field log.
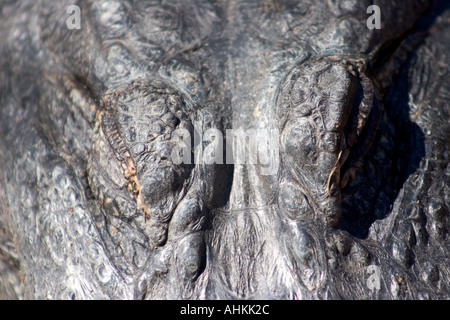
(138, 125)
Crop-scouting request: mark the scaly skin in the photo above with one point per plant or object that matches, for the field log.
(93, 206)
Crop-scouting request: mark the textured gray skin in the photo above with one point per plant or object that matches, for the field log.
(71, 228)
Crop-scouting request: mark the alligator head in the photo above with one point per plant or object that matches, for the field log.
(127, 184)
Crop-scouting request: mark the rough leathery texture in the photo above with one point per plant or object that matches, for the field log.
(137, 124)
(322, 120)
(93, 204)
